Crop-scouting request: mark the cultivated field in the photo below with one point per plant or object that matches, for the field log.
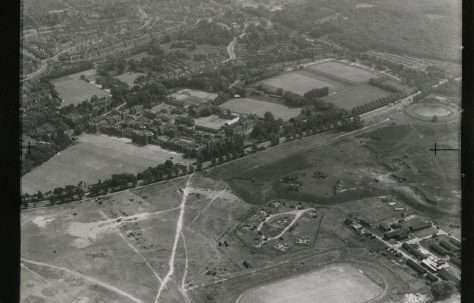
(295, 82)
(248, 106)
(95, 157)
(342, 71)
(129, 77)
(73, 90)
(338, 284)
(353, 96)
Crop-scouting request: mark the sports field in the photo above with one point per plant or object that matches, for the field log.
(248, 106)
(338, 284)
(95, 157)
(353, 96)
(342, 71)
(295, 82)
(213, 121)
(73, 90)
(129, 77)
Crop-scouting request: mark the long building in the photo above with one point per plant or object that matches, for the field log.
(416, 267)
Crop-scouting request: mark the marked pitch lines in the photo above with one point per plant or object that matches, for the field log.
(87, 278)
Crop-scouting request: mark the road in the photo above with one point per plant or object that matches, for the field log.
(44, 64)
(230, 50)
(398, 105)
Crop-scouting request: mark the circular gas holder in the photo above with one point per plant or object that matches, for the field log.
(433, 111)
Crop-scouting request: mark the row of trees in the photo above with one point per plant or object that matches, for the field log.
(317, 92)
(367, 107)
(380, 84)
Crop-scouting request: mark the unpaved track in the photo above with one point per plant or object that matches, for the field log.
(87, 278)
(179, 226)
(135, 250)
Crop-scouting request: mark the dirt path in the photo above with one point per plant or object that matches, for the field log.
(134, 249)
(183, 281)
(87, 278)
(46, 282)
(298, 214)
(179, 227)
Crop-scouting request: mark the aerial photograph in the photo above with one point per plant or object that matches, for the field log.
(240, 151)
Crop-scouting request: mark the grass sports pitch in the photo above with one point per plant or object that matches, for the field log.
(95, 157)
(353, 96)
(73, 90)
(248, 106)
(295, 82)
(129, 77)
(338, 284)
(342, 72)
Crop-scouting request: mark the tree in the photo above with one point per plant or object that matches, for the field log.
(434, 119)
(442, 289)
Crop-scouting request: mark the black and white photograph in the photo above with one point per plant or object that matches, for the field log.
(240, 151)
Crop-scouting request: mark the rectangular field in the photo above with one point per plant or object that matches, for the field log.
(212, 121)
(338, 284)
(95, 157)
(342, 71)
(129, 77)
(353, 96)
(248, 106)
(295, 82)
(73, 90)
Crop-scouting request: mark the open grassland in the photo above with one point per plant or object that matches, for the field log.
(92, 158)
(341, 284)
(144, 245)
(342, 71)
(353, 96)
(295, 82)
(73, 90)
(129, 77)
(248, 106)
